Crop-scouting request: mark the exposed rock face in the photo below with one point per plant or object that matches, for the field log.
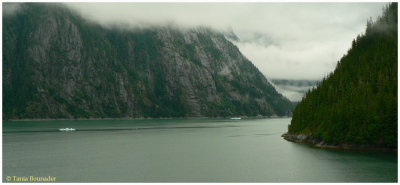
(58, 65)
(308, 139)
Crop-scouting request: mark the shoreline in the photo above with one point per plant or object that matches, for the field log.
(308, 139)
(138, 118)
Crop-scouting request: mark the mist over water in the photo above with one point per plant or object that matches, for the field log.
(181, 150)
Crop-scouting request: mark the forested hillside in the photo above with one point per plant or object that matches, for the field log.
(357, 103)
(58, 65)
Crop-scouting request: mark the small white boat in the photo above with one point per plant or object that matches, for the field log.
(67, 129)
(236, 118)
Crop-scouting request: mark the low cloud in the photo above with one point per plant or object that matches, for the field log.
(11, 8)
(284, 40)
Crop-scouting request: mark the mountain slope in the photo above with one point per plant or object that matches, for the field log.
(357, 104)
(58, 65)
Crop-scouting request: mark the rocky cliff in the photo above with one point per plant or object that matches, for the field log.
(58, 65)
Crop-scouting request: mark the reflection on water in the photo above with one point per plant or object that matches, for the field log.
(181, 150)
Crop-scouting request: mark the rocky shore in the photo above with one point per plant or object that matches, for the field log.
(308, 139)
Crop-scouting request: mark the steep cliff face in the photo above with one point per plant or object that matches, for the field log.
(58, 65)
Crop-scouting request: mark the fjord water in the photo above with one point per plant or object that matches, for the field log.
(181, 150)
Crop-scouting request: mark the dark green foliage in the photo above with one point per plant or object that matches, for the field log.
(357, 103)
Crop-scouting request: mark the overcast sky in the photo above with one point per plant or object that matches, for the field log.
(284, 40)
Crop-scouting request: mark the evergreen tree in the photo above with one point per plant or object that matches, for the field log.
(357, 103)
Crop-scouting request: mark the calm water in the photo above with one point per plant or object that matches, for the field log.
(202, 150)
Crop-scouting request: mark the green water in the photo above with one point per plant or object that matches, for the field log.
(197, 150)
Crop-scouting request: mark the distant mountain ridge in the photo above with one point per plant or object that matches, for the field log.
(58, 65)
(294, 90)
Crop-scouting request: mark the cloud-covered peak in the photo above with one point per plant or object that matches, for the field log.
(284, 40)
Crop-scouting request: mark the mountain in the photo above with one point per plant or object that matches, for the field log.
(356, 105)
(58, 65)
(294, 90)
